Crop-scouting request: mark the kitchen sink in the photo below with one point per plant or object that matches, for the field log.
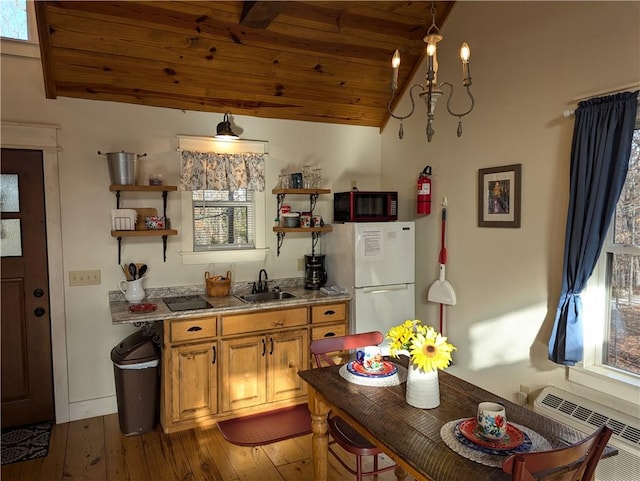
(266, 296)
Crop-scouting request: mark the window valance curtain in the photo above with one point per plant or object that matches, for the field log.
(599, 161)
(214, 171)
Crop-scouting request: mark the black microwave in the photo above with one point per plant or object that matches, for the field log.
(365, 206)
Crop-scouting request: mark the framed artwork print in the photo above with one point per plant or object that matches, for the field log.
(499, 196)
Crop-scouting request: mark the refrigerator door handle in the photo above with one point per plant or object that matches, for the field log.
(379, 289)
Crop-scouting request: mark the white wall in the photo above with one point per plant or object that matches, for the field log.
(529, 60)
(343, 152)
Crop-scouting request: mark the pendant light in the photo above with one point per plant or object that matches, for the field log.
(223, 130)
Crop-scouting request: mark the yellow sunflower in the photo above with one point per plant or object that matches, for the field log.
(401, 337)
(428, 349)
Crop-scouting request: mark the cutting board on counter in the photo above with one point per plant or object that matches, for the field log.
(142, 213)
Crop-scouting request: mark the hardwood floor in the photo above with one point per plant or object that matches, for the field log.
(95, 450)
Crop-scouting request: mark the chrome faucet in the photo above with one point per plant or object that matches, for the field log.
(262, 285)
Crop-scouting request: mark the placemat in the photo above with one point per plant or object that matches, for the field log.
(488, 457)
(398, 377)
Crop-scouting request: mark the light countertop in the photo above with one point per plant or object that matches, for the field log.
(120, 313)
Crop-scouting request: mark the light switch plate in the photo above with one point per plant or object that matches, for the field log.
(84, 278)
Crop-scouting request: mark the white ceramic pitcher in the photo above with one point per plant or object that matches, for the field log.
(134, 291)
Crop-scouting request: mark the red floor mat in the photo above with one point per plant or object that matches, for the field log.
(269, 427)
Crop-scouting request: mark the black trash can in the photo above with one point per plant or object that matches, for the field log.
(136, 361)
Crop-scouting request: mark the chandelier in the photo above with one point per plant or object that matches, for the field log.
(431, 92)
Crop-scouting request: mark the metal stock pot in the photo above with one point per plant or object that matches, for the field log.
(123, 167)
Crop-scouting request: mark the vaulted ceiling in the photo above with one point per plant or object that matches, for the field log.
(314, 61)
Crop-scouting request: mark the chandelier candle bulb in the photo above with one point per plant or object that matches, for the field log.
(395, 63)
(465, 55)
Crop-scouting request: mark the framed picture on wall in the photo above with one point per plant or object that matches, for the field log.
(499, 196)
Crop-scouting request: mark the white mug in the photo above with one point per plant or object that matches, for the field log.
(370, 357)
(134, 291)
(492, 421)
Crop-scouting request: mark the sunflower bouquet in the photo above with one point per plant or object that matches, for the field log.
(428, 349)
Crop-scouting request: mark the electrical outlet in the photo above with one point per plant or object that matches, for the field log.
(84, 278)
(301, 264)
(354, 184)
(524, 388)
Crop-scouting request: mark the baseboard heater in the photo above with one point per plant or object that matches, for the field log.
(587, 416)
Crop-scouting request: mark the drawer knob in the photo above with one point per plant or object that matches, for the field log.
(194, 329)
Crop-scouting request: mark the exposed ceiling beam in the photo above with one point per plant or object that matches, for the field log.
(259, 14)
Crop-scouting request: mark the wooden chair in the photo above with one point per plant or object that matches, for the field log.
(342, 433)
(576, 462)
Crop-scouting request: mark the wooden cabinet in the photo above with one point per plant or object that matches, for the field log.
(262, 369)
(189, 371)
(194, 381)
(329, 320)
(219, 367)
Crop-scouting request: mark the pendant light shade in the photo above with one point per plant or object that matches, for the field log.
(223, 130)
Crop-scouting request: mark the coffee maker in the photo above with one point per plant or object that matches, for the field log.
(315, 275)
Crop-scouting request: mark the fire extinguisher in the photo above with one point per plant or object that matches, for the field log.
(424, 192)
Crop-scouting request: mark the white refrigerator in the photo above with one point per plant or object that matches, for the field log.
(375, 263)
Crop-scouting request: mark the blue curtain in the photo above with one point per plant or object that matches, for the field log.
(599, 162)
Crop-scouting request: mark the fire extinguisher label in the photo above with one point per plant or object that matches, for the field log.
(425, 189)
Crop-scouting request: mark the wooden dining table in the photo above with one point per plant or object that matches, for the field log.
(411, 436)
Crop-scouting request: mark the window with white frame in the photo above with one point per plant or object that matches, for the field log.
(621, 255)
(18, 30)
(223, 220)
(222, 226)
(13, 20)
(611, 361)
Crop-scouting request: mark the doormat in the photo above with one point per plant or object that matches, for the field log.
(269, 427)
(25, 443)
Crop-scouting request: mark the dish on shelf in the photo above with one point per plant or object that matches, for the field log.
(512, 438)
(356, 368)
(142, 308)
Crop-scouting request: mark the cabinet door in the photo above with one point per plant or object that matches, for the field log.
(193, 381)
(287, 354)
(243, 372)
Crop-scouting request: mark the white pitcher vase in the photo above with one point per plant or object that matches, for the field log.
(423, 388)
(132, 290)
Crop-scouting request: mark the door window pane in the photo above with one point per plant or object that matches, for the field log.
(10, 238)
(9, 199)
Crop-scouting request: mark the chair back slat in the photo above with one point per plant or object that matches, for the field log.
(320, 347)
(572, 463)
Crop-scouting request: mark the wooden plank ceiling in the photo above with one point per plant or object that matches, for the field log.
(313, 61)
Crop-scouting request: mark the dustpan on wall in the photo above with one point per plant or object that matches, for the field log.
(441, 291)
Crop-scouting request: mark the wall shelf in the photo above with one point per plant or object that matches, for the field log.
(314, 231)
(164, 233)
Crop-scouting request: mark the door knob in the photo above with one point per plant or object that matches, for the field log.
(39, 311)
(38, 293)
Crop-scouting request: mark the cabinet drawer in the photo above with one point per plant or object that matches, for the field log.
(262, 321)
(328, 313)
(328, 331)
(192, 329)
